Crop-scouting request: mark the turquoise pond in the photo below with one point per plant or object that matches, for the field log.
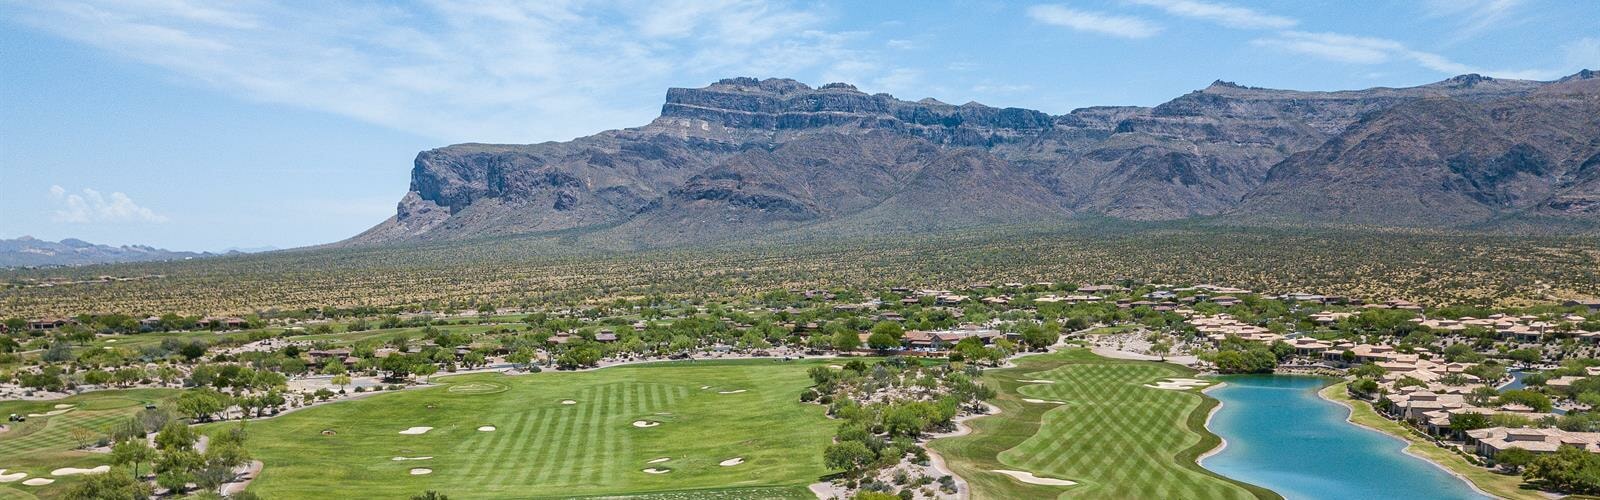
(1284, 437)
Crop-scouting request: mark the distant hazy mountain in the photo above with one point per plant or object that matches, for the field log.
(745, 157)
(31, 252)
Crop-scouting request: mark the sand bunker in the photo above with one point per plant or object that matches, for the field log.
(704, 387)
(486, 428)
(730, 392)
(1044, 401)
(15, 476)
(654, 470)
(836, 367)
(416, 430)
(1037, 381)
(38, 481)
(61, 406)
(51, 413)
(568, 402)
(731, 462)
(402, 459)
(645, 423)
(1179, 384)
(72, 471)
(421, 471)
(656, 461)
(1028, 477)
(328, 432)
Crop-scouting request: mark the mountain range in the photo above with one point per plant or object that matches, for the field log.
(28, 251)
(744, 157)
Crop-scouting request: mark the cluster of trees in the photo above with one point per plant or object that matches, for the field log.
(903, 401)
(1569, 470)
(174, 459)
(1234, 355)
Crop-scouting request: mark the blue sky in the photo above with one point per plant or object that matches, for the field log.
(201, 125)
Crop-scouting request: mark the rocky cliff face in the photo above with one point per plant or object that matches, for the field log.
(745, 156)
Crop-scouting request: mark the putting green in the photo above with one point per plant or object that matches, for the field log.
(1095, 424)
(482, 387)
(543, 448)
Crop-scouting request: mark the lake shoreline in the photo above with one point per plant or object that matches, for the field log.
(1350, 419)
(1308, 469)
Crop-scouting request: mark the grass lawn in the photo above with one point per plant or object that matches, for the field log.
(43, 444)
(1499, 485)
(1113, 436)
(543, 448)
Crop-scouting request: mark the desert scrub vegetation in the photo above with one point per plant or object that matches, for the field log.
(1431, 268)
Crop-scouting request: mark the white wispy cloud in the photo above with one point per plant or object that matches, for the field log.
(1094, 22)
(91, 206)
(493, 70)
(1476, 16)
(1227, 15)
(1374, 50)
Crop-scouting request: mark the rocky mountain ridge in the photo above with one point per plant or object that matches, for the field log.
(743, 157)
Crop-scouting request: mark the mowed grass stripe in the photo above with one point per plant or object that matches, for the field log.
(1115, 437)
(543, 449)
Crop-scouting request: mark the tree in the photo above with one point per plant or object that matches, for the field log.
(82, 435)
(200, 403)
(1532, 399)
(1513, 459)
(849, 456)
(1569, 469)
(1161, 348)
(132, 452)
(846, 340)
(175, 437)
(117, 484)
(425, 370)
(340, 380)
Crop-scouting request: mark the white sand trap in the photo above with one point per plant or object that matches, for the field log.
(730, 392)
(568, 402)
(1028, 477)
(704, 387)
(1044, 401)
(836, 367)
(419, 471)
(12, 477)
(486, 428)
(38, 481)
(73, 471)
(656, 461)
(731, 462)
(654, 470)
(61, 406)
(51, 413)
(645, 423)
(416, 430)
(1037, 381)
(403, 459)
(1179, 384)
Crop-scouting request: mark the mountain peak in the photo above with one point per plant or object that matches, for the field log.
(1583, 74)
(778, 86)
